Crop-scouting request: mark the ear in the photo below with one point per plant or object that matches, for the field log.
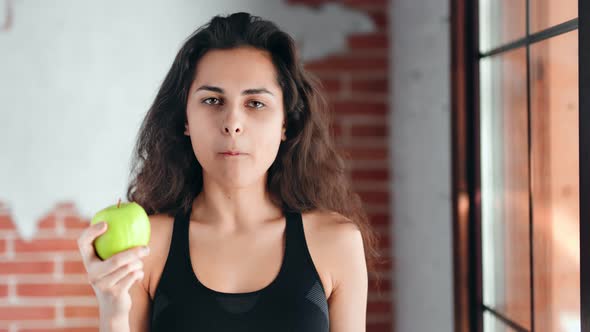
(186, 133)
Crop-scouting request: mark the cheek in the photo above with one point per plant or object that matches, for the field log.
(201, 137)
(268, 141)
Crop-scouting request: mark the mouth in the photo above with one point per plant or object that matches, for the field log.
(232, 153)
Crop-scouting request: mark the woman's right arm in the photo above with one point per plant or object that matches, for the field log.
(140, 307)
(114, 282)
(137, 320)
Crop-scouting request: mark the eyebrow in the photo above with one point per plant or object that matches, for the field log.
(245, 92)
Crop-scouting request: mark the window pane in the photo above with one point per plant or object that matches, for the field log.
(501, 22)
(505, 185)
(548, 13)
(554, 110)
(493, 324)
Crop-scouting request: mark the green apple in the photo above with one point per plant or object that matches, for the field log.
(128, 227)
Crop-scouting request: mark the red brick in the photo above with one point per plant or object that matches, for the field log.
(42, 267)
(3, 247)
(74, 267)
(369, 130)
(379, 306)
(336, 130)
(6, 223)
(377, 85)
(365, 142)
(370, 174)
(379, 326)
(3, 290)
(383, 286)
(350, 63)
(379, 292)
(374, 41)
(73, 222)
(379, 219)
(355, 107)
(45, 245)
(81, 312)
(48, 222)
(386, 265)
(384, 241)
(380, 3)
(380, 18)
(27, 313)
(57, 290)
(374, 196)
(365, 153)
(331, 85)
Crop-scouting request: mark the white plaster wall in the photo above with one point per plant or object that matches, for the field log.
(76, 78)
(421, 165)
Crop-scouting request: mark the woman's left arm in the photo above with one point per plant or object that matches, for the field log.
(348, 301)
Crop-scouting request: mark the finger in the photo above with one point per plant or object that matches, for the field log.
(111, 279)
(86, 241)
(125, 284)
(104, 268)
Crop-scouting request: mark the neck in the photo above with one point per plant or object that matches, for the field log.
(234, 209)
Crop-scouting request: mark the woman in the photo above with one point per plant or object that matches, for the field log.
(254, 224)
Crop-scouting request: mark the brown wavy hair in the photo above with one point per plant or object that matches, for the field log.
(308, 172)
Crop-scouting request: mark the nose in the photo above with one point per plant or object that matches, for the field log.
(232, 125)
(232, 129)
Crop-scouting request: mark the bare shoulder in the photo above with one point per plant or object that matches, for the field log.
(332, 225)
(333, 240)
(160, 238)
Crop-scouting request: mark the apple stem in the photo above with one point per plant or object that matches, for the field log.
(119, 203)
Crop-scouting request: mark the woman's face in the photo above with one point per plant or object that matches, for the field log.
(235, 105)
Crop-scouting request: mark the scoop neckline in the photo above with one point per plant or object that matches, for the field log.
(220, 293)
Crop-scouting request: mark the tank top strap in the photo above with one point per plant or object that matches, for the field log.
(300, 261)
(299, 256)
(294, 236)
(173, 284)
(175, 266)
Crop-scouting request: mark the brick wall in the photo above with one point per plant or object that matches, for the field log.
(43, 285)
(357, 82)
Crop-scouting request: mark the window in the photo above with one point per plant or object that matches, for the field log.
(519, 134)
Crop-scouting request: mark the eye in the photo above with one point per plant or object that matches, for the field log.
(256, 104)
(212, 101)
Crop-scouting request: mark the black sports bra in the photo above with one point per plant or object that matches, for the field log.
(294, 301)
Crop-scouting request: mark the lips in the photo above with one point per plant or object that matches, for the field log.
(232, 153)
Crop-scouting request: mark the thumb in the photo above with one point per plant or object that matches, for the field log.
(86, 240)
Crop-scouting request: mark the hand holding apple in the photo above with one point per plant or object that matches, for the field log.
(128, 226)
(111, 279)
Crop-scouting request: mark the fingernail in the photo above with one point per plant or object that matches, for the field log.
(146, 250)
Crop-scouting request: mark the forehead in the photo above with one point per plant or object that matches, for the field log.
(243, 67)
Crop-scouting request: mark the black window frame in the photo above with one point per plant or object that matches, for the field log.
(468, 300)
